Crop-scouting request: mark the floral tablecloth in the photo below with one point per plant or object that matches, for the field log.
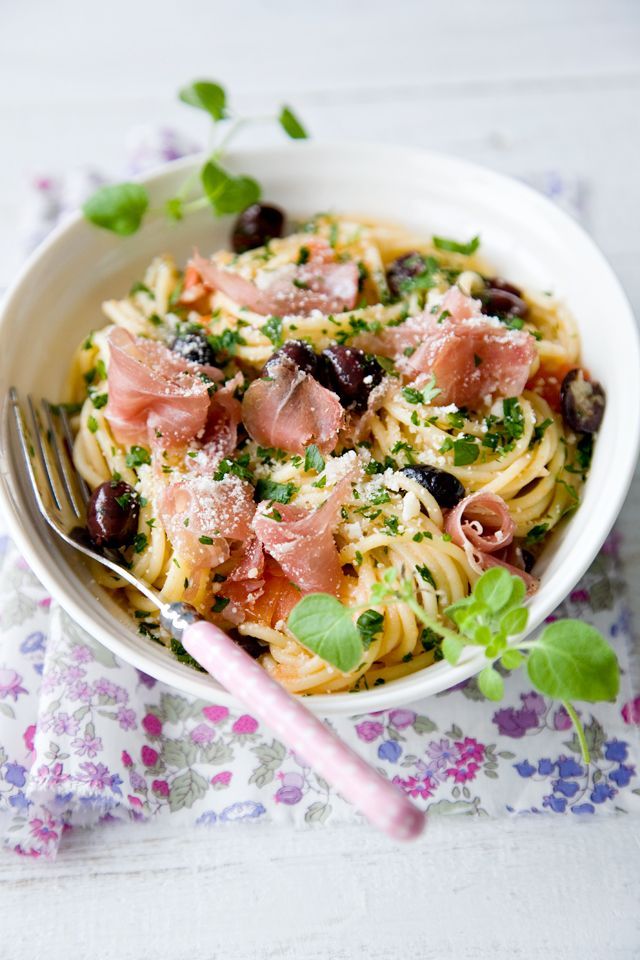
(85, 737)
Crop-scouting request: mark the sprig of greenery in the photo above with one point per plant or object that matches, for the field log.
(122, 207)
(569, 660)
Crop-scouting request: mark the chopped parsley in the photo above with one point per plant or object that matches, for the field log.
(513, 418)
(453, 246)
(426, 574)
(391, 526)
(92, 423)
(239, 467)
(278, 492)
(138, 287)
(219, 604)
(313, 459)
(539, 430)
(226, 343)
(273, 329)
(369, 624)
(137, 456)
(139, 542)
(537, 533)
(207, 541)
(465, 450)
(303, 256)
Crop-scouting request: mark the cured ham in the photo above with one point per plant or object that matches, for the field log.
(289, 409)
(321, 284)
(154, 391)
(471, 356)
(482, 525)
(219, 437)
(200, 515)
(302, 541)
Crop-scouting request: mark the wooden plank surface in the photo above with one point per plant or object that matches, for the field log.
(522, 87)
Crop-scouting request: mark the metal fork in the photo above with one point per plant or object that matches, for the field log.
(61, 494)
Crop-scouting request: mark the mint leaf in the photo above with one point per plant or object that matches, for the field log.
(291, 125)
(206, 96)
(572, 661)
(119, 208)
(491, 683)
(313, 459)
(452, 246)
(324, 626)
(225, 193)
(270, 490)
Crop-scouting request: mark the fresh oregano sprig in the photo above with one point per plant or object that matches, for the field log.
(569, 660)
(122, 207)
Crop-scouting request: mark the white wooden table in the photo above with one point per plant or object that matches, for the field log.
(520, 86)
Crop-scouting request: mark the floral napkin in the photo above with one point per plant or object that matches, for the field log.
(85, 737)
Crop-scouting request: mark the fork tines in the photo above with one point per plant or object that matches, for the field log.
(46, 441)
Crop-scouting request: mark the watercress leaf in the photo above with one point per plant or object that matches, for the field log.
(451, 649)
(291, 125)
(206, 96)
(514, 621)
(452, 246)
(491, 683)
(119, 207)
(512, 659)
(325, 626)
(572, 661)
(494, 589)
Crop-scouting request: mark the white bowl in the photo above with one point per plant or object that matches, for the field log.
(56, 301)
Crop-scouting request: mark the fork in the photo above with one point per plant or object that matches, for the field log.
(61, 495)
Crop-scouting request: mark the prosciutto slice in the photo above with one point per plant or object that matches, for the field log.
(200, 515)
(482, 525)
(290, 410)
(154, 390)
(302, 541)
(220, 433)
(320, 284)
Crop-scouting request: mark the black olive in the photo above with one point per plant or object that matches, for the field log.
(502, 299)
(255, 226)
(251, 646)
(445, 489)
(528, 560)
(582, 402)
(112, 514)
(194, 347)
(404, 269)
(299, 352)
(351, 374)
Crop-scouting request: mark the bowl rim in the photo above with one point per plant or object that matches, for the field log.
(442, 676)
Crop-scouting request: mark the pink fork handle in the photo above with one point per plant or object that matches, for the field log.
(380, 801)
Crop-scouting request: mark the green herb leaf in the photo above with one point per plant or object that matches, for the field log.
(173, 208)
(291, 125)
(512, 659)
(324, 626)
(273, 329)
(494, 589)
(465, 452)
(119, 207)
(451, 649)
(537, 533)
(137, 456)
(206, 96)
(313, 459)
(369, 624)
(139, 542)
(571, 660)
(452, 246)
(491, 683)
(225, 193)
(270, 490)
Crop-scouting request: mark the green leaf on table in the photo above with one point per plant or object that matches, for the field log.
(571, 660)
(207, 96)
(325, 626)
(225, 193)
(291, 125)
(119, 207)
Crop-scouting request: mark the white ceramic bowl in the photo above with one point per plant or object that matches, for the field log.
(56, 301)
